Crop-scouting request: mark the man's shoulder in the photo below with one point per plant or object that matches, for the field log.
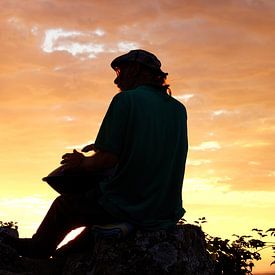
(178, 103)
(126, 95)
(142, 92)
(140, 89)
(119, 97)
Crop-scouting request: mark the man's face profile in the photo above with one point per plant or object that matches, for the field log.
(121, 79)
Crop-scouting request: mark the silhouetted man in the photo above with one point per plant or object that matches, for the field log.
(144, 135)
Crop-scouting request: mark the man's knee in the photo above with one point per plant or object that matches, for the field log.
(68, 201)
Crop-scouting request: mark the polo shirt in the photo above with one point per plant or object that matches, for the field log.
(147, 129)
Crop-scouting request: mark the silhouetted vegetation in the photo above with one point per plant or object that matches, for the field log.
(237, 256)
(11, 224)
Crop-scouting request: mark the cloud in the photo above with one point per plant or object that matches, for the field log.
(80, 146)
(125, 46)
(254, 163)
(68, 118)
(225, 112)
(207, 146)
(198, 162)
(62, 40)
(271, 174)
(184, 97)
(78, 43)
(196, 190)
(257, 144)
(28, 202)
(207, 184)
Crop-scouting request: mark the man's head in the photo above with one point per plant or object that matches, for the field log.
(138, 67)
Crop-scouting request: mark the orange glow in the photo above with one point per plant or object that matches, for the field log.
(56, 84)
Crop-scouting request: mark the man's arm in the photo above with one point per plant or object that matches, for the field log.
(99, 161)
(109, 141)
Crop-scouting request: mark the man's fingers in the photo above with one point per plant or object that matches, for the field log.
(63, 161)
(74, 158)
(85, 149)
(68, 161)
(88, 148)
(66, 155)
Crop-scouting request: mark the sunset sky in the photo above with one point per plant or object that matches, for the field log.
(56, 84)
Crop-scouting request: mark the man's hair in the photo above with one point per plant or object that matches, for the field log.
(139, 74)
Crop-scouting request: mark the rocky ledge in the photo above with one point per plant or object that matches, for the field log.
(181, 251)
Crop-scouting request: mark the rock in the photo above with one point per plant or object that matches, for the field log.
(181, 251)
(9, 259)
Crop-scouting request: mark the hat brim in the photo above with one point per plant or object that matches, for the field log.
(116, 63)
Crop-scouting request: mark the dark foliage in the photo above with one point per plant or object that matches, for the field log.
(239, 255)
(11, 224)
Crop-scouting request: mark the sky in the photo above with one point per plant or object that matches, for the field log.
(56, 84)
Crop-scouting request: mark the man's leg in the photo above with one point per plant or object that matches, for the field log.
(66, 213)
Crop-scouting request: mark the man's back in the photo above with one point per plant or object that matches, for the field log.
(148, 132)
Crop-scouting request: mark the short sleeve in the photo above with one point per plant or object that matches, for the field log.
(112, 131)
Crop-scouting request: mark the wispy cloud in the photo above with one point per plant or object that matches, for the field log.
(125, 46)
(271, 174)
(256, 143)
(206, 146)
(63, 40)
(68, 118)
(79, 146)
(198, 162)
(184, 97)
(25, 202)
(81, 43)
(197, 190)
(254, 163)
(223, 112)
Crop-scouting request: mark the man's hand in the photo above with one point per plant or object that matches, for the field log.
(72, 160)
(88, 148)
(99, 161)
